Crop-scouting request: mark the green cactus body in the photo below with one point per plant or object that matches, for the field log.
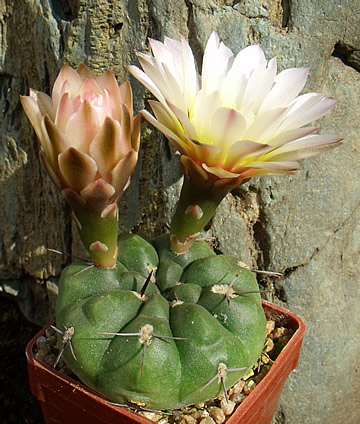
(198, 324)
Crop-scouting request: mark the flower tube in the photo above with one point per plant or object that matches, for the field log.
(238, 119)
(90, 143)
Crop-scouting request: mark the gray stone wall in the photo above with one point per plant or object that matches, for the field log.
(306, 226)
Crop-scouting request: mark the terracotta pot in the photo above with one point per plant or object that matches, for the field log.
(63, 400)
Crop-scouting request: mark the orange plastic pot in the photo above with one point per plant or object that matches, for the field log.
(64, 400)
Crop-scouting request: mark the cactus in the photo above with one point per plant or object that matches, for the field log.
(159, 329)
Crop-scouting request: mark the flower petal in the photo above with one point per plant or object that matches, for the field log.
(84, 72)
(59, 141)
(206, 153)
(146, 81)
(135, 134)
(107, 82)
(219, 172)
(126, 96)
(90, 86)
(274, 166)
(77, 168)
(166, 117)
(241, 150)
(228, 126)
(187, 125)
(307, 108)
(178, 143)
(69, 75)
(32, 111)
(305, 147)
(288, 85)
(97, 194)
(106, 147)
(64, 111)
(265, 125)
(291, 135)
(83, 126)
(216, 62)
(122, 173)
(52, 174)
(45, 103)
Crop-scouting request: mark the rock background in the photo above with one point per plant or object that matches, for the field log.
(306, 226)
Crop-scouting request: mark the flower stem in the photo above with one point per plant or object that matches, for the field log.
(196, 206)
(99, 232)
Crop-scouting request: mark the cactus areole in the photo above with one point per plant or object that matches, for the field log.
(159, 329)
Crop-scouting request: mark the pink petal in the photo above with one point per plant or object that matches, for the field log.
(83, 126)
(258, 86)
(219, 172)
(66, 74)
(32, 111)
(107, 82)
(97, 194)
(90, 86)
(205, 153)
(204, 110)
(135, 134)
(176, 91)
(125, 128)
(64, 111)
(126, 96)
(247, 60)
(156, 74)
(59, 141)
(122, 173)
(164, 56)
(77, 168)
(50, 170)
(241, 150)
(45, 104)
(106, 147)
(192, 168)
(84, 72)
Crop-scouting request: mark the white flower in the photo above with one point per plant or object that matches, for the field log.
(240, 118)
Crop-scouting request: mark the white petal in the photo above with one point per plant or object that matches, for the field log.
(179, 144)
(228, 125)
(307, 108)
(247, 60)
(241, 150)
(204, 109)
(264, 125)
(216, 62)
(281, 166)
(146, 81)
(189, 128)
(288, 85)
(287, 136)
(305, 147)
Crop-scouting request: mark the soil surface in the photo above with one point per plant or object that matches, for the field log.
(17, 404)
